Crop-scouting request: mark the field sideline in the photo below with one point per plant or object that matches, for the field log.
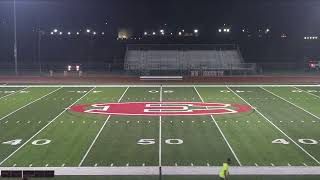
(279, 128)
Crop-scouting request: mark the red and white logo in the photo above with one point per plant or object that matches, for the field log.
(161, 108)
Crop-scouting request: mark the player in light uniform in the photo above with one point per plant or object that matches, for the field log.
(224, 172)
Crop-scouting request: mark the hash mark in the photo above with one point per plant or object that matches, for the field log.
(127, 164)
(272, 164)
(191, 164)
(289, 164)
(208, 164)
(62, 165)
(30, 165)
(14, 165)
(304, 164)
(175, 164)
(143, 164)
(111, 164)
(256, 164)
(47, 165)
(96, 164)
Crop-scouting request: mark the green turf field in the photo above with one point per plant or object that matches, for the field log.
(38, 129)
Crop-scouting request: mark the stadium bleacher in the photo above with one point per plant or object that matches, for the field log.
(141, 58)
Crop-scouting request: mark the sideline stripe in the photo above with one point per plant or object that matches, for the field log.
(307, 92)
(155, 85)
(14, 93)
(29, 104)
(276, 127)
(160, 131)
(290, 103)
(225, 139)
(173, 170)
(65, 109)
(101, 129)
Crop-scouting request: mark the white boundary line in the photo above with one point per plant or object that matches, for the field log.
(13, 93)
(29, 104)
(44, 127)
(307, 92)
(101, 129)
(160, 132)
(172, 170)
(225, 139)
(182, 85)
(289, 102)
(276, 127)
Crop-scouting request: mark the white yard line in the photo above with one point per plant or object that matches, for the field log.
(290, 103)
(225, 139)
(308, 92)
(275, 126)
(171, 170)
(65, 109)
(160, 132)
(101, 129)
(13, 93)
(29, 104)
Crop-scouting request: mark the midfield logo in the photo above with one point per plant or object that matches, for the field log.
(161, 108)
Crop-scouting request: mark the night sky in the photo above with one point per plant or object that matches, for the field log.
(287, 15)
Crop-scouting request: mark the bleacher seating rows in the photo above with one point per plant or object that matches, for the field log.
(182, 60)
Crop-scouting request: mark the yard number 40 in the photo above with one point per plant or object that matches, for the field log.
(302, 141)
(38, 142)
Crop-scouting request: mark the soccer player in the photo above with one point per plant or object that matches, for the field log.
(224, 172)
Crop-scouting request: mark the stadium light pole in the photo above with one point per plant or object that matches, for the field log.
(40, 33)
(15, 50)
